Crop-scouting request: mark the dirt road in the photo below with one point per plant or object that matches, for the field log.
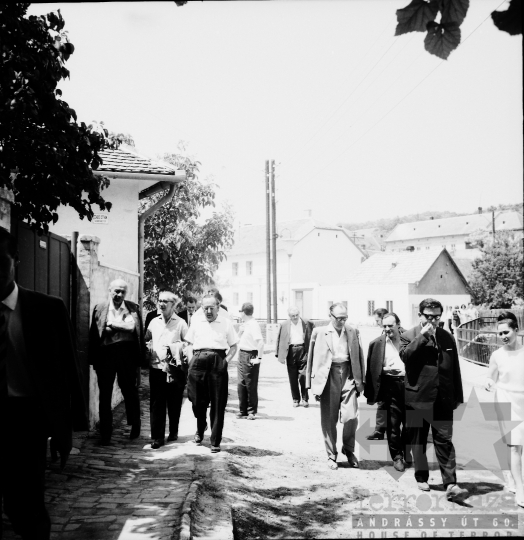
(280, 486)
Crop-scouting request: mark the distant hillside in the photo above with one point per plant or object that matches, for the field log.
(387, 225)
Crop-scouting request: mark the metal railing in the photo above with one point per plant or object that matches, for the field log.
(477, 339)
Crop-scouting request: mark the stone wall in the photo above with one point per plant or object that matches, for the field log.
(93, 288)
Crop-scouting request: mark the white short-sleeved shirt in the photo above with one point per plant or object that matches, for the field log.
(392, 364)
(163, 334)
(219, 334)
(250, 336)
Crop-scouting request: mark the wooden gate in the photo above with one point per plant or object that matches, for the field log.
(45, 263)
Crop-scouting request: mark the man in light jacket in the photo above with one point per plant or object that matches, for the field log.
(335, 374)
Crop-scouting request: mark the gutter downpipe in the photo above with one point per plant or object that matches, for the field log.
(141, 221)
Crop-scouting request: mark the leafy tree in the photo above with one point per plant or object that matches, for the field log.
(444, 36)
(46, 157)
(179, 252)
(496, 279)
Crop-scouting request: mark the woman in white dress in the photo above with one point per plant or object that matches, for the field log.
(506, 369)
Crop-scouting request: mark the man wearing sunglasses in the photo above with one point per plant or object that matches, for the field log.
(433, 389)
(335, 373)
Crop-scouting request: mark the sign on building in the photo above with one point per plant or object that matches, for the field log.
(100, 219)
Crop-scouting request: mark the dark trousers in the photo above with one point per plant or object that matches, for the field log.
(440, 419)
(207, 385)
(296, 363)
(22, 468)
(382, 418)
(392, 394)
(116, 362)
(164, 395)
(247, 376)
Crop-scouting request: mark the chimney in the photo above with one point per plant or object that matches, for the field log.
(309, 212)
(480, 209)
(431, 217)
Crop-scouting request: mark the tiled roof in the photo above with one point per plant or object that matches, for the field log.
(127, 160)
(454, 226)
(252, 238)
(465, 266)
(394, 268)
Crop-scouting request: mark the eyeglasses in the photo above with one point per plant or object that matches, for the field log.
(339, 319)
(165, 301)
(430, 317)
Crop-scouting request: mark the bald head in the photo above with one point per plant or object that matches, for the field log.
(118, 291)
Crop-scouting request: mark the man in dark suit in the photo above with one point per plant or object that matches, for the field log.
(191, 304)
(292, 349)
(433, 390)
(385, 383)
(117, 348)
(40, 393)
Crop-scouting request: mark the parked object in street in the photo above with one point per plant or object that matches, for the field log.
(335, 374)
(292, 348)
(167, 368)
(40, 393)
(117, 349)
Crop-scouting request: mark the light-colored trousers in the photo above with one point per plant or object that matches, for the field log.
(333, 401)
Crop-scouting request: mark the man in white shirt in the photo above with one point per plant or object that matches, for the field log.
(292, 347)
(385, 383)
(167, 371)
(117, 348)
(335, 374)
(209, 340)
(248, 368)
(222, 310)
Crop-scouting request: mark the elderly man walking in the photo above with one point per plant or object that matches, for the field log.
(335, 372)
(292, 348)
(248, 367)
(117, 349)
(167, 371)
(210, 338)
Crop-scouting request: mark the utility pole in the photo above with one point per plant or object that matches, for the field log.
(493, 223)
(275, 235)
(268, 243)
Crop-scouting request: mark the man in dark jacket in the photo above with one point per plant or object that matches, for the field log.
(116, 348)
(385, 383)
(433, 391)
(40, 394)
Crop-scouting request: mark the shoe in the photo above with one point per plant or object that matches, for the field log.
(352, 459)
(157, 443)
(376, 436)
(304, 404)
(251, 417)
(423, 486)
(399, 465)
(135, 431)
(240, 415)
(197, 439)
(453, 492)
(295, 403)
(332, 464)
(172, 437)
(215, 449)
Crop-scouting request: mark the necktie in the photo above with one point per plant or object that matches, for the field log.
(3, 352)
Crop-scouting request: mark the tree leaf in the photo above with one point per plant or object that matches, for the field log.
(442, 39)
(453, 11)
(416, 16)
(509, 21)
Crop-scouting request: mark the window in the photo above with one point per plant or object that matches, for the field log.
(389, 306)
(250, 297)
(235, 298)
(235, 269)
(249, 268)
(452, 246)
(371, 307)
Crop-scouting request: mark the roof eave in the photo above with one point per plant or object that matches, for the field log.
(177, 178)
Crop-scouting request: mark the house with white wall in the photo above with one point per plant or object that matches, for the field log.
(399, 281)
(311, 256)
(451, 233)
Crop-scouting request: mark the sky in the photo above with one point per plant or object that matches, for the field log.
(362, 125)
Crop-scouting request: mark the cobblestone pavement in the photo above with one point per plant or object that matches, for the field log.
(126, 491)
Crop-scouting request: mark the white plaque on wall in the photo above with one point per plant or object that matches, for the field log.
(100, 219)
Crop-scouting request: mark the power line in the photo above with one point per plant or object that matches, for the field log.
(398, 103)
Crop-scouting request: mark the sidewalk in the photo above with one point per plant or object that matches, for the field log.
(127, 491)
